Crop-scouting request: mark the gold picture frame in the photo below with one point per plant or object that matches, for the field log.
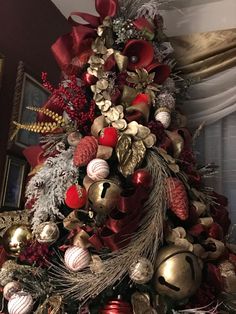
(13, 182)
(28, 92)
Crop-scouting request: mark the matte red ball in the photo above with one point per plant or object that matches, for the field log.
(142, 178)
(76, 196)
(108, 137)
(215, 231)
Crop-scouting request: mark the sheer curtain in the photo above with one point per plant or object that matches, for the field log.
(217, 143)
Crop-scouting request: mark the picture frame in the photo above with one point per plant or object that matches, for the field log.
(28, 92)
(13, 182)
(1, 67)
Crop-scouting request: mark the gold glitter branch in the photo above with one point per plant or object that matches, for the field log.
(40, 127)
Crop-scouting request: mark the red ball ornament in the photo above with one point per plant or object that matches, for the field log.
(76, 196)
(215, 231)
(89, 79)
(142, 178)
(108, 137)
(117, 307)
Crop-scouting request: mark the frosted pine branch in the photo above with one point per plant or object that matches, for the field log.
(49, 185)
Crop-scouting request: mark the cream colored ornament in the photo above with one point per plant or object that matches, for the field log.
(10, 289)
(47, 232)
(163, 116)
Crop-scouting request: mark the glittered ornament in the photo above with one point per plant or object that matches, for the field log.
(15, 238)
(177, 198)
(141, 271)
(116, 307)
(108, 137)
(85, 151)
(166, 100)
(163, 115)
(178, 273)
(74, 138)
(7, 272)
(103, 196)
(142, 178)
(20, 303)
(98, 169)
(47, 232)
(10, 289)
(76, 258)
(76, 196)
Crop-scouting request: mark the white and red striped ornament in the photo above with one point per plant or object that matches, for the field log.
(76, 258)
(20, 303)
(98, 169)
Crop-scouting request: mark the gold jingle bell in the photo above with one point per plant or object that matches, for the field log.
(103, 196)
(15, 238)
(178, 273)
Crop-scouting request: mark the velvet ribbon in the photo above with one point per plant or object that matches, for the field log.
(119, 227)
(73, 50)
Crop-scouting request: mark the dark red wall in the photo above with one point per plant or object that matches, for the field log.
(27, 30)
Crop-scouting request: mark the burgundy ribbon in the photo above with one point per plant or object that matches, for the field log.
(122, 222)
(72, 50)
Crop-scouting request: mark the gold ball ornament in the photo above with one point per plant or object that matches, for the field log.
(47, 232)
(178, 273)
(103, 196)
(15, 238)
(141, 271)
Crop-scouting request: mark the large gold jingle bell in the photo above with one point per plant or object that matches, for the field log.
(103, 196)
(15, 238)
(178, 273)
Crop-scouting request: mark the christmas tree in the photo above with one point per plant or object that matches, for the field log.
(118, 219)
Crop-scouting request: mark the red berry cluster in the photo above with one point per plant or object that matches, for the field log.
(70, 98)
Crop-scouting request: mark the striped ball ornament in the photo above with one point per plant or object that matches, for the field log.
(98, 169)
(20, 303)
(76, 258)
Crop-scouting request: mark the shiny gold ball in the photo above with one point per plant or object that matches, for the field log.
(47, 232)
(178, 273)
(15, 238)
(141, 271)
(103, 196)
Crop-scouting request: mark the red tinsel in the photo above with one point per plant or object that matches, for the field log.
(36, 254)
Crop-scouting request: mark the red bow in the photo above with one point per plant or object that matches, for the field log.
(73, 50)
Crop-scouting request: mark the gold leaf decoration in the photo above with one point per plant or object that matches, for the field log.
(130, 154)
(9, 218)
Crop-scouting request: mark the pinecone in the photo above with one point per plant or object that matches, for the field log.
(177, 198)
(85, 151)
